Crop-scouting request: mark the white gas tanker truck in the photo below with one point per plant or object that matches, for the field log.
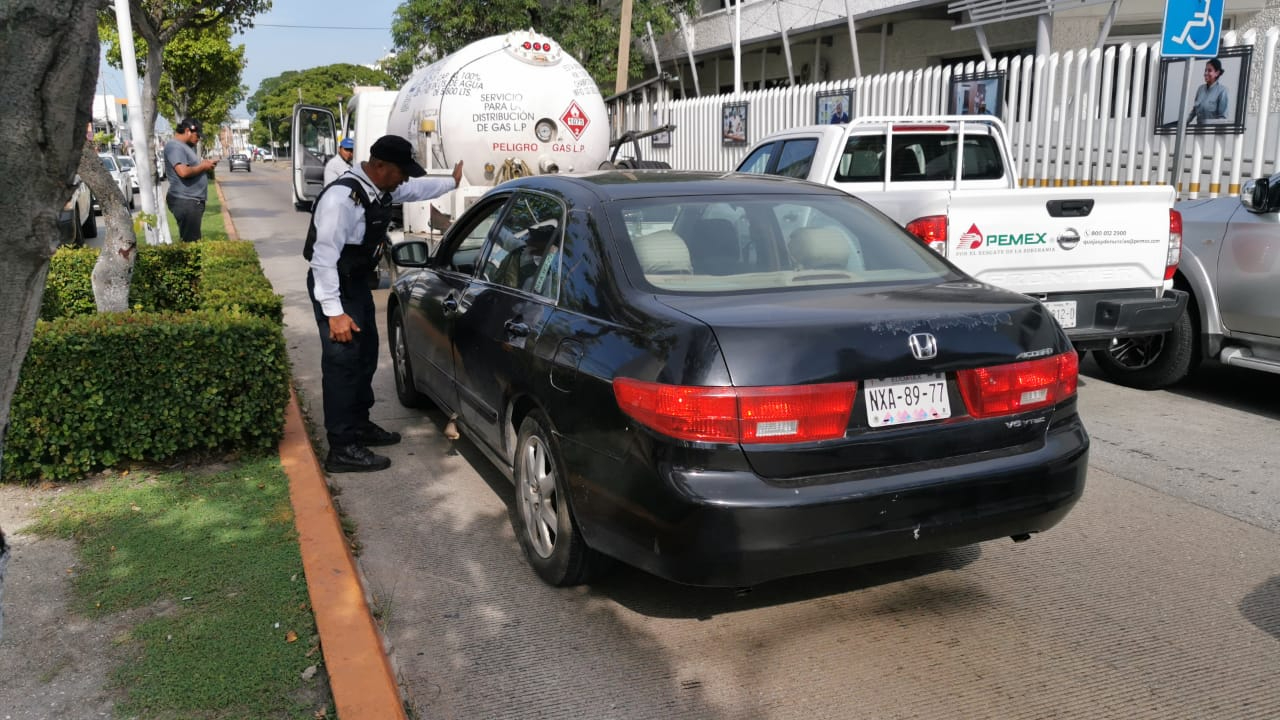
(507, 106)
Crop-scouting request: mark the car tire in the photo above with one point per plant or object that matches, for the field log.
(1155, 361)
(87, 229)
(544, 522)
(406, 391)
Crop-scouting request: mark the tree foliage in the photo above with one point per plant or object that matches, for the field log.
(426, 30)
(327, 86)
(200, 75)
(156, 23)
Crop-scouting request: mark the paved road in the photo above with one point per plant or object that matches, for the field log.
(1158, 597)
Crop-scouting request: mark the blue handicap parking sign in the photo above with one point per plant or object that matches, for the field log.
(1191, 28)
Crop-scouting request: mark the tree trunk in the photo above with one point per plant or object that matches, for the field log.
(114, 269)
(50, 59)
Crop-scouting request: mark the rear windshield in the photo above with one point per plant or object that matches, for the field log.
(919, 157)
(722, 244)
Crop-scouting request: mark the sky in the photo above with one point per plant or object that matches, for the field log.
(296, 35)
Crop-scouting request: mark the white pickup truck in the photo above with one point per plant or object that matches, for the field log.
(1101, 259)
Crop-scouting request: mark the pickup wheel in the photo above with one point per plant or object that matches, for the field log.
(1153, 361)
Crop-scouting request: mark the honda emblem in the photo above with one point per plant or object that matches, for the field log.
(923, 346)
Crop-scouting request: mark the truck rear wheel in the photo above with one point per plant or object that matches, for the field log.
(1153, 361)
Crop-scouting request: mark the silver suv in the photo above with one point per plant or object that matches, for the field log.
(1231, 266)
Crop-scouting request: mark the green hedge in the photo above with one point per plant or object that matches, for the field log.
(200, 363)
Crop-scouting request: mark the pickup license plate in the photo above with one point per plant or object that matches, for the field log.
(1063, 312)
(909, 399)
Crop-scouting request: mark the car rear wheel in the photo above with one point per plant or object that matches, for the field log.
(1154, 361)
(545, 524)
(87, 229)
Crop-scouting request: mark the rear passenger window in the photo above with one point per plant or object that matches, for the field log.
(861, 160)
(796, 158)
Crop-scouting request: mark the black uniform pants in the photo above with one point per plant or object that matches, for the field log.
(347, 368)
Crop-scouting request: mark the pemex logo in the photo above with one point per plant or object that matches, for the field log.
(575, 120)
(971, 240)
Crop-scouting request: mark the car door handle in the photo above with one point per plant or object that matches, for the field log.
(517, 328)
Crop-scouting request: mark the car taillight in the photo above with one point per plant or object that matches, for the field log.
(932, 231)
(802, 413)
(1019, 387)
(1175, 244)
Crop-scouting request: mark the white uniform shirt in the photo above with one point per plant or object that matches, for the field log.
(340, 221)
(334, 168)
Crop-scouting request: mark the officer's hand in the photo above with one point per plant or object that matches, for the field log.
(342, 327)
(457, 174)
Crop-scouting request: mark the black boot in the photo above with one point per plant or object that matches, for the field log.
(373, 436)
(354, 458)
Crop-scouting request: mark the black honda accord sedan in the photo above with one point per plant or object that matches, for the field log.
(727, 379)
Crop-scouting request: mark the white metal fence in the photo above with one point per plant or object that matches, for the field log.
(1079, 117)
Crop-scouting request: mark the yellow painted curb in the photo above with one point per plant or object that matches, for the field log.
(360, 675)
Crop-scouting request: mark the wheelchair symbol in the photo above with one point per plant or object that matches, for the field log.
(1198, 20)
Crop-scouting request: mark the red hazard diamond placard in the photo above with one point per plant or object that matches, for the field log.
(576, 120)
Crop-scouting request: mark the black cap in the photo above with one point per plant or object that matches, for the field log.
(190, 124)
(397, 151)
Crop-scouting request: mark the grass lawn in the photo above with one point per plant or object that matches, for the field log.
(211, 226)
(212, 554)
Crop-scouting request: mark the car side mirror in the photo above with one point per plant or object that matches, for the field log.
(411, 253)
(1254, 195)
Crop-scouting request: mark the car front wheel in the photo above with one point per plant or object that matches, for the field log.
(545, 524)
(406, 391)
(1152, 362)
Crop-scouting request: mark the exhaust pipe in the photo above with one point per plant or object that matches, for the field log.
(1020, 538)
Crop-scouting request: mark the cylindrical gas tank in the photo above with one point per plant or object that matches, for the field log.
(506, 104)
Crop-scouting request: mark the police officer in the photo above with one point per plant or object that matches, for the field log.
(340, 162)
(348, 229)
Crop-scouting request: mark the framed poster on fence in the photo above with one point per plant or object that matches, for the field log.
(1219, 93)
(733, 121)
(833, 108)
(662, 139)
(977, 94)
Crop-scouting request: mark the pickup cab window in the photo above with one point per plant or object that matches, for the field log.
(794, 158)
(919, 157)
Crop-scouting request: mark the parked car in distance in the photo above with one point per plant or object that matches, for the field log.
(126, 165)
(265, 154)
(121, 178)
(239, 161)
(728, 379)
(76, 221)
(1231, 267)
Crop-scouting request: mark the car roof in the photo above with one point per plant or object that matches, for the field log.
(633, 184)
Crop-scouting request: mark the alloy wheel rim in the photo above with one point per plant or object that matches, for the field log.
(402, 374)
(538, 496)
(1138, 352)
